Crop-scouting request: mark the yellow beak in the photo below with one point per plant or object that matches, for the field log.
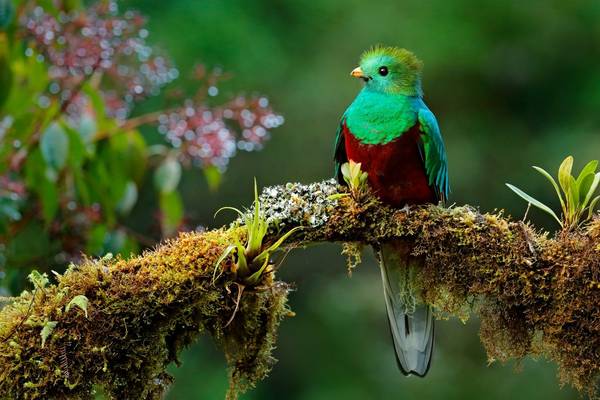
(357, 73)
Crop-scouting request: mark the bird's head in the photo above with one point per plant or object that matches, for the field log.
(390, 70)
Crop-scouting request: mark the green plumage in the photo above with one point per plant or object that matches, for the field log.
(378, 118)
(391, 132)
(436, 163)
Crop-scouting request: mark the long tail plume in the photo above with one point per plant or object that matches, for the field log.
(411, 321)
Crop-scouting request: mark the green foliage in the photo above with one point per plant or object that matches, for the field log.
(353, 175)
(504, 93)
(253, 259)
(54, 145)
(78, 301)
(161, 301)
(47, 331)
(7, 10)
(38, 280)
(144, 322)
(167, 175)
(171, 208)
(576, 195)
(74, 174)
(213, 178)
(74, 162)
(356, 180)
(6, 74)
(129, 198)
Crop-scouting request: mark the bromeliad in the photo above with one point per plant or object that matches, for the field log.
(389, 130)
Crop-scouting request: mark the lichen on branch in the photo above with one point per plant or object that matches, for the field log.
(536, 295)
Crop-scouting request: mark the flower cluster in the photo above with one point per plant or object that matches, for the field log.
(97, 40)
(85, 66)
(210, 136)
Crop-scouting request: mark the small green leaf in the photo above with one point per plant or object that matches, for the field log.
(242, 261)
(555, 185)
(353, 175)
(584, 183)
(363, 178)
(591, 190)
(241, 214)
(77, 150)
(257, 227)
(534, 202)
(48, 193)
(47, 331)
(54, 145)
(6, 72)
(167, 175)
(228, 250)
(590, 168)
(171, 208)
(213, 178)
(96, 99)
(345, 169)
(83, 193)
(129, 157)
(129, 198)
(337, 196)
(7, 11)
(586, 189)
(80, 301)
(573, 196)
(564, 175)
(592, 206)
(39, 280)
(255, 277)
(87, 129)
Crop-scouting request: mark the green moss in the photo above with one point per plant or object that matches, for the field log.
(535, 294)
(353, 253)
(141, 313)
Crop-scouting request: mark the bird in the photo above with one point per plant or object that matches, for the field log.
(394, 136)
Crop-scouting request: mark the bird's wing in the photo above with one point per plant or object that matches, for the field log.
(339, 154)
(434, 153)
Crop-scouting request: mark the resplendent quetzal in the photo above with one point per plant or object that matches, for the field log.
(396, 138)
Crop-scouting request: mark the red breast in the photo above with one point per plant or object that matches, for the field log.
(396, 170)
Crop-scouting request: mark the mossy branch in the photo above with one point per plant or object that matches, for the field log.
(536, 295)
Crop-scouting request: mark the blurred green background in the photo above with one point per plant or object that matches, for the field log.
(512, 83)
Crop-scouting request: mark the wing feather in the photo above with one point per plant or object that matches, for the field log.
(434, 153)
(339, 154)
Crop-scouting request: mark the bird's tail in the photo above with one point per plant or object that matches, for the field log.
(411, 321)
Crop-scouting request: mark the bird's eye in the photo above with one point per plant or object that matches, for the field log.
(383, 71)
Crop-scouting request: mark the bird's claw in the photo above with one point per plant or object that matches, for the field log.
(406, 209)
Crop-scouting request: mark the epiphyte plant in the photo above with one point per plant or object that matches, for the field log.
(252, 259)
(355, 178)
(576, 194)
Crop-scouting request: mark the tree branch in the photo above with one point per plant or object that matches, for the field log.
(535, 295)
